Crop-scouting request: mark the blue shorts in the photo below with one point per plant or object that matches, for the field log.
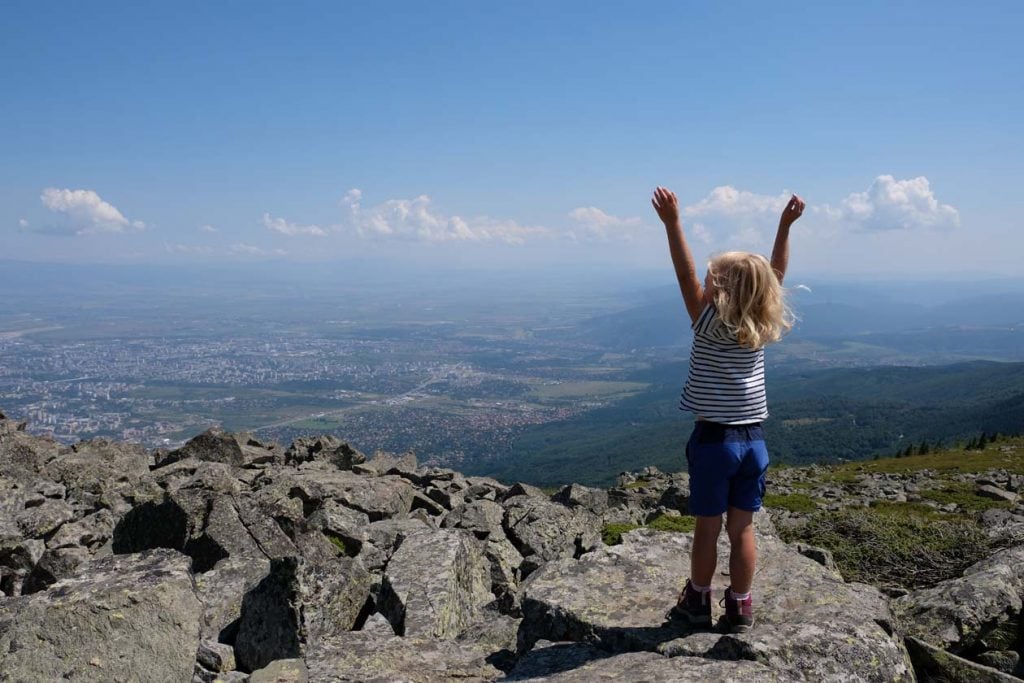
(727, 465)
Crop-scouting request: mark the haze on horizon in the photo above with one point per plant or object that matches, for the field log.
(467, 135)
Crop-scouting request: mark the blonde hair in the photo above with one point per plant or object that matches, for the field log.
(749, 298)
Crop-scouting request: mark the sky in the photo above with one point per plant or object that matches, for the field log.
(512, 135)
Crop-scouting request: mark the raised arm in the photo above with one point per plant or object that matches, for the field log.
(780, 252)
(667, 206)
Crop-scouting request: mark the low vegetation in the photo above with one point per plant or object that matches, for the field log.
(611, 534)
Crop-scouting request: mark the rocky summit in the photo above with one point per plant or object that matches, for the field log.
(230, 559)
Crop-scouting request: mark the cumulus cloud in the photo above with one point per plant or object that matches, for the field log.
(208, 228)
(417, 220)
(284, 227)
(83, 212)
(241, 249)
(22, 223)
(591, 222)
(739, 216)
(890, 204)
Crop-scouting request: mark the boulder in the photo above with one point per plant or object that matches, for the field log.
(935, 664)
(216, 445)
(546, 531)
(481, 517)
(329, 449)
(121, 618)
(435, 584)
(374, 656)
(811, 625)
(282, 671)
(574, 495)
(297, 603)
(101, 473)
(964, 614)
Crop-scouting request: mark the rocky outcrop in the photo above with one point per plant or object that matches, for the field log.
(121, 618)
(231, 559)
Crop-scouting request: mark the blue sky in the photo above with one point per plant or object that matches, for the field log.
(526, 133)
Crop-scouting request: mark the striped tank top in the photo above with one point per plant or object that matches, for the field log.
(726, 381)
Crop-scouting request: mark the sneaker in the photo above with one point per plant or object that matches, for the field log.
(739, 614)
(693, 606)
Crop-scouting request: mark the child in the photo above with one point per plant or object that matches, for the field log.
(739, 309)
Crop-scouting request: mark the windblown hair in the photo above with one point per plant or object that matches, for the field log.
(749, 298)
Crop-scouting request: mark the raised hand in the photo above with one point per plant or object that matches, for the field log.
(794, 209)
(667, 206)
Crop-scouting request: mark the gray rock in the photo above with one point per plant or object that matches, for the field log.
(435, 584)
(563, 662)
(574, 495)
(958, 613)
(550, 531)
(216, 657)
(935, 664)
(101, 473)
(822, 556)
(282, 671)
(329, 449)
(1007, 661)
(383, 463)
(54, 565)
(91, 531)
(375, 658)
(41, 520)
(379, 497)
(216, 445)
(481, 517)
(802, 609)
(122, 618)
(995, 493)
(297, 603)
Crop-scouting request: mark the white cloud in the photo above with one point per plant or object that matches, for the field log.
(890, 204)
(83, 212)
(240, 249)
(593, 223)
(417, 220)
(178, 248)
(736, 216)
(208, 228)
(22, 223)
(283, 227)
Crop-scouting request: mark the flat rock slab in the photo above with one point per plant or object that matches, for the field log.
(358, 656)
(616, 598)
(581, 663)
(120, 618)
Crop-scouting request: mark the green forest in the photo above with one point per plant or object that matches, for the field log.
(822, 416)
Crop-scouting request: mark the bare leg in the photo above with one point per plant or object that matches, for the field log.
(704, 554)
(743, 554)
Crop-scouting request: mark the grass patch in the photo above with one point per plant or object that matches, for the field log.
(682, 523)
(611, 534)
(638, 484)
(897, 544)
(794, 502)
(338, 543)
(963, 495)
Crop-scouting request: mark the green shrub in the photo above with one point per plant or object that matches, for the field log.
(338, 543)
(611, 534)
(794, 502)
(964, 496)
(894, 545)
(684, 523)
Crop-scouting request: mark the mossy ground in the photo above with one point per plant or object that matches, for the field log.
(611, 534)
(912, 544)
